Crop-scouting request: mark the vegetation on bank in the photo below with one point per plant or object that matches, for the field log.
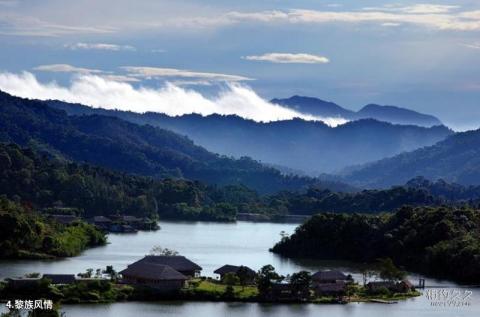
(443, 242)
(131, 148)
(300, 289)
(25, 233)
(90, 291)
(32, 178)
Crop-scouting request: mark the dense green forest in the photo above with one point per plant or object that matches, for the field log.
(308, 146)
(455, 159)
(44, 182)
(32, 178)
(442, 242)
(127, 147)
(24, 233)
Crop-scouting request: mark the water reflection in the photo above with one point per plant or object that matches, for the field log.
(212, 245)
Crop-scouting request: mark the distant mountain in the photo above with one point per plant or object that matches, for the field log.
(124, 146)
(397, 115)
(314, 106)
(392, 114)
(308, 146)
(456, 159)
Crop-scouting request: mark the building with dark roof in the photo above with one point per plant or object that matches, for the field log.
(60, 279)
(176, 262)
(330, 289)
(330, 276)
(158, 276)
(23, 282)
(227, 268)
(64, 219)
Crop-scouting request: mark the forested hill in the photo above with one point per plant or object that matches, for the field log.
(442, 242)
(456, 159)
(308, 146)
(44, 183)
(34, 179)
(124, 146)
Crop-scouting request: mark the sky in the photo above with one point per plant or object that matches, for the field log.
(231, 57)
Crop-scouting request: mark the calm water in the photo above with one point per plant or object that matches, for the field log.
(212, 245)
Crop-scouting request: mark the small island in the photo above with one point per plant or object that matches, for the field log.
(435, 241)
(169, 276)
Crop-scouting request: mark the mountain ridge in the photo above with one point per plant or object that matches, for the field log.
(393, 114)
(124, 146)
(455, 159)
(309, 146)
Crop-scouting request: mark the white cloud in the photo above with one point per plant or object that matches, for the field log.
(20, 25)
(157, 72)
(100, 46)
(289, 58)
(170, 99)
(475, 45)
(435, 17)
(421, 8)
(69, 18)
(65, 68)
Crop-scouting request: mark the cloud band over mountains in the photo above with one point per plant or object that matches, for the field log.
(91, 89)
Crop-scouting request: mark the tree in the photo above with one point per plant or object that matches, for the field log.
(111, 272)
(243, 275)
(158, 250)
(265, 277)
(388, 270)
(230, 279)
(300, 282)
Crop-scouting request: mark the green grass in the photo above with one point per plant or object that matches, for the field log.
(218, 289)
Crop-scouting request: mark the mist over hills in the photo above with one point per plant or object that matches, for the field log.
(309, 146)
(455, 159)
(124, 146)
(392, 114)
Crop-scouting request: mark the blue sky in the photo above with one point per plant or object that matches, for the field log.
(420, 55)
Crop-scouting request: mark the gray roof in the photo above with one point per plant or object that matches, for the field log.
(227, 268)
(60, 278)
(152, 271)
(64, 219)
(101, 219)
(329, 276)
(177, 262)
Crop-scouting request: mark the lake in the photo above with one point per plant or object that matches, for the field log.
(212, 245)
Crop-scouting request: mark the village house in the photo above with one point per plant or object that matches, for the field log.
(177, 262)
(65, 219)
(60, 279)
(282, 291)
(251, 274)
(330, 283)
(330, 289)
(330, 276)
(403, 286)
(22, 282)
(101, 222)
(285, 291)
(157, 276)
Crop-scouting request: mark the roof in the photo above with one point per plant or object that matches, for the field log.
(60, 278)
(23, 279)
(64, 219)
(227, 268)
(329, 276)
(378, 284)
(177, 262)
(129, 218)
(101, 219)
(152, 271)
(407, 283)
